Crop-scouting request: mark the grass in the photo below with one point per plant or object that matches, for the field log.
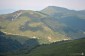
(62, 48)
(70, 48)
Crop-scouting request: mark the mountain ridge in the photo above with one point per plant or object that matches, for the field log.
(44, 25)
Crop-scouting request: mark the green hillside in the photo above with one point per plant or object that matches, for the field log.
(48, 25)
(15, 43)
(63, 48)
(69, 48)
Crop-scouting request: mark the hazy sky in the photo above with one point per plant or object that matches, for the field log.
(40, 4)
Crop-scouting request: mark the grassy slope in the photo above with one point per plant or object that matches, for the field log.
(43, 34)
(70, 48)
(13, 43)
(40, 25)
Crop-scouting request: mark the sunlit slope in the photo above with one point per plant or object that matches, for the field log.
(70, 48)
(62, 48)
(29, 23)
(48, 25)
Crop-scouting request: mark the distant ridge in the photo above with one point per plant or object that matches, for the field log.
(6, 11)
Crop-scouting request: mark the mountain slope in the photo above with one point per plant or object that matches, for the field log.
(48, 25)
(7, 44)
(68, 22)
(25, 31)
(62, 48)
(69, 48)
(15, 43)
(6, 11)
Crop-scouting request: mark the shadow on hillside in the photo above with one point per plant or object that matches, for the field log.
(10, 46)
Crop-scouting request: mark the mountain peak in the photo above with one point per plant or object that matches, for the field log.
(51, 7)
(54, 9)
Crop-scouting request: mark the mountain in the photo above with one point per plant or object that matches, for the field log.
(53, 10)
(66, 21)
(69, 48)
(31, 47)
(15, 43)
(82, 12)
(49, 32)
(48, 25)
(6, 11)
(7, 44)
(62, 48)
